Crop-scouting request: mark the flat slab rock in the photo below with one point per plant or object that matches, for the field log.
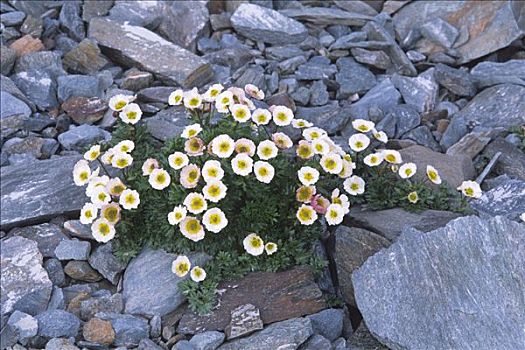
(278, 296)
(506, 199)
(138, 46)
(34, 192)
(458, 287)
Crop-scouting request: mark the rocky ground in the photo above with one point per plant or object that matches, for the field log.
(444, 79)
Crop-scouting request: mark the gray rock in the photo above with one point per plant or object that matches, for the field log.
(313, 71)
(60, 344)
(147, 15)
(79, 85)
(497, 106)
(10, 19)
(263, 24)
(318, 93)
(289, 334)
(7, 60)
(457, 81)
(404, 118)
(493, 73)
(332, 117)
(91, 9)
(301, 95)
(377, 59)
(184, 22)
(90, 307)
(353, 78)
(78, 138)
(339, 344)
(57, 300)
(421, 91)
(76, 229)
(85, 58)
(71, 22)
(26, 326)
(57, 323)
(451, 272)
(133, 45)
(81, 271)
(55, 271)
(324, 279)
(183, 345)
(470, 144)
(25, 284)
(357, 7)
(47, 236)
(328, 323)
(31, 145)
(167, 123)
(155, 326)
(361, 339)
(47, 61)
(153, 267)
(252, 75)
(244, 320)
(12, 106)
(423, 136)
(349, 41)
(507, 199)
(511, 161)
(316, 342)
(109, 266)
(233, 57)
(290, 65)
(73, 249)
(326, 39)
(210, 340)
(440, 32)
(281, 53)
(220, 21)
(415, 56)
(146, 344)
(129, 330)
(326, 16)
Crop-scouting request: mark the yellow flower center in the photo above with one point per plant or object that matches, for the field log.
(266, 151)
(337, 200)
(88, 214)
(84, 175)
(314, 135)
(183, 268)
(241, 164)
(263, 171)
(469, 191)
(354, 186)
(215, 219)
(305, 214)
(363, 128)
(358, 144)
(124, 148)
(111, 214)
(281, 116)
(214, 190)
(193, 175)
(192, 132)
(193, 226)
(120, 104)
(240, 113)
(130, 199)
(178, 161)
(432, 175)
(121, 162)
(132, 115)
(224, 146)
(308, 176)
(408, 172)
(304, 151)
(161, 178)
(177, 98)
(225, 100)
(330, 164)
(104, 229)
(102, 196)
(194, 101)
(390, 157)
(214, 92)
(333, 214)
(197, 272)
(255, 242)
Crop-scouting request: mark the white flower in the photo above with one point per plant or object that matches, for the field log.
(380, 136)
(131, 114)
(264, 171)
(102, 230)
(214, 191)
(149, 165)
(159, 179)
(192, 229)
(214, 220)
(222, 146)
(192, 99)
(213, 91)
(189, 176)
(320, 146)
(470, 189)
(270, 248)
(433, 175)
(358, 142)
(107, 157)
(118, 102)
(282, 140)
(308, 175)
(254, 91)
(241, 113)
(348, 169)
(115, 187)
(196, 203)
(88, 213)
(282, 115)
(223, 100)
(253, 244)
(373, 159)
(354, 185)
(242, 164)
(121, 160)
(267, 150)
(191, 131)
(306, 215)
(92, 153)
(198, 274)
(332, 163)
(245, 146)
(96, 182)
(301, 123)
(81, 173)
(176, 97)
(334, 214)
(181, 266)
(261, 116)
(125, 146)
(110, 212)
(313, 133)
(100, 196)
(363, 125)
(178, 160)
(129, 199)
(341, 199)
(304, 150)
(392, 157)
(212, 171)
(407, 170)
(177, 215)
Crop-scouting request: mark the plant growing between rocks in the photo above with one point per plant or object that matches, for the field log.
(253, 188)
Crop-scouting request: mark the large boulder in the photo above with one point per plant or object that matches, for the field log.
(506, 199)
(457, 287)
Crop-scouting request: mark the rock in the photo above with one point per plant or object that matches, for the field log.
(129, 330)
(39, 86)
(404, 118)
(312, 71)
(84, 110)
(301, 95)
(108, 303)
(415, 56)
(319, 94)
(25, 285)
(401, 289)
(47, 236)
(10, 19)
(278, 296)
(85, 58)
(491, 26)
(60, 344)
(166, 123)
(470, 144)
(377, 59)
(493, 73)
(78, 138)
(220, 21)
(57, 301)
(109, 266)
(25, 45)
(135, 80)
(353, 40)
(25, 326)
(98, 8)
(281, 53)
(57, 323)
(423, 136)
(153, 267)
(155, 326)
(76, 229)
(457, 81)
(78, 85)
(263, 24)
(290, 65)
(421, 91)
(71, 22)
(244, 320)
(155, 94)
(82, 271)
(331, 116)
(506, 199)
(440, 32)
(132, 45)
(47, 61)
(183, 345)
(328, 323)
(12, 106)
(289, 334)
(452, 169)
(7, 60)
(72, 249)
(511, 161)
(98, 331)
(497, 106)
(356, 6)
(326, 16)
(207, 340)
(363, 340)
(353, 78)
(184, 22)
(55, 271)
(317, 342)
(390, 222)
(147, 15)
(352, 247)
(252, 75)
(146, 344)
